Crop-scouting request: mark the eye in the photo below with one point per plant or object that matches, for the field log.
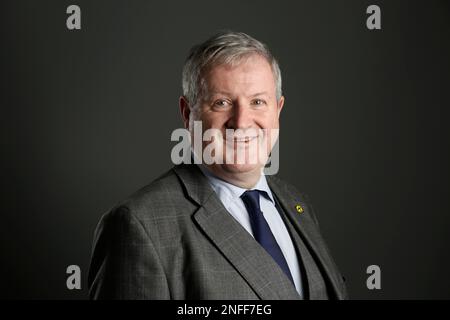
(258, 102)
(221, 103)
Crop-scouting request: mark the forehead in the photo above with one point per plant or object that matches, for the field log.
(251, 73)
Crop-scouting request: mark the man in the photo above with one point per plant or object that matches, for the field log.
(220, 229)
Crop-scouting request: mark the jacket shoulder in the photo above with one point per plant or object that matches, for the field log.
(162, 197)
(291, 189)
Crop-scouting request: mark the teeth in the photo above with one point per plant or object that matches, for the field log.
(244, 139)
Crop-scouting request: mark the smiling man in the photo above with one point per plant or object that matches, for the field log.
(218, 229)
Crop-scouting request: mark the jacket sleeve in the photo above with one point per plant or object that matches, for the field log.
(124, 261)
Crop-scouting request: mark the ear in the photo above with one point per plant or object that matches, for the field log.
(280, 105)
(185, 111)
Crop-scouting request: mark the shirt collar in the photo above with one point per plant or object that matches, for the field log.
(232, 192)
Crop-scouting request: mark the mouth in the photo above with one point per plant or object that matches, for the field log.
(244, 139)
(241, 142)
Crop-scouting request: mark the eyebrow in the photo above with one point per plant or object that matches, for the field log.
(211, 93)
(258, 94)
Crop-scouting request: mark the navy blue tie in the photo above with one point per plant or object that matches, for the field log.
(261, 230)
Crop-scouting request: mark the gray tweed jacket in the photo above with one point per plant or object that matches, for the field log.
(173, 239)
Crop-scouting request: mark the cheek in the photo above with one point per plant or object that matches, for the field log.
(275, 118)
(269, 120)
(213, 120)
(276, 124)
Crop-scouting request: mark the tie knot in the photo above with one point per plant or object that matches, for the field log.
(251, 199)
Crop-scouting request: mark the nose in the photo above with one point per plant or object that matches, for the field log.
(241, 117)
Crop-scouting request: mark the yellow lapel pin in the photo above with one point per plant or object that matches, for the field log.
(299, 208)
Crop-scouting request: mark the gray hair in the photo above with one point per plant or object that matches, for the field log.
(226, 47)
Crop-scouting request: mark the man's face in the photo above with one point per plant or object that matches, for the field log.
(240, 97)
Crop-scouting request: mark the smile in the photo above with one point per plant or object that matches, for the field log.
(244, 139)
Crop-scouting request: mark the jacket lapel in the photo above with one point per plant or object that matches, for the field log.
(249, 259)
(309, 232)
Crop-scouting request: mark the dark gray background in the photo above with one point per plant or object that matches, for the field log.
(87, 116)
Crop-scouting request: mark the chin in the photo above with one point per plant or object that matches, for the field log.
(241, 168)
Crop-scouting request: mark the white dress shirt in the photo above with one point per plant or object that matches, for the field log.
(230, 196)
